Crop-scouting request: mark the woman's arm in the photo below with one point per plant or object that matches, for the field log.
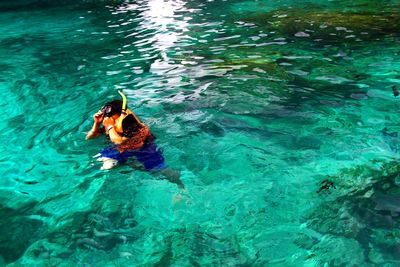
(98, 119)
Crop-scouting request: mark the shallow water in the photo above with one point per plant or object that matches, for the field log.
(281, 117)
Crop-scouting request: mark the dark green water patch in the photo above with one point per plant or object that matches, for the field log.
(367, 206)
(329, 27)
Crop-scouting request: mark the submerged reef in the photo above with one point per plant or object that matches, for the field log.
(329, 25)
(362, 214)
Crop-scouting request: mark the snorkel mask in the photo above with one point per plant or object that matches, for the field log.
(124, 113)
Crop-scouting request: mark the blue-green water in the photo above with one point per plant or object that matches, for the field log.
(280, 116)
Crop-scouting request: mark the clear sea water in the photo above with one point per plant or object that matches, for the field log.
(281, 116)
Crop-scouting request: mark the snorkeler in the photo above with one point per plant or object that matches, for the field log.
(131, 139)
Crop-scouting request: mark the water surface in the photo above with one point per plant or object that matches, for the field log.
(281, 116)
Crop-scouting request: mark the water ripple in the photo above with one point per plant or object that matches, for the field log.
(257, 103)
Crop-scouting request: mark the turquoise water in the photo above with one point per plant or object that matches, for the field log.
(280, 116)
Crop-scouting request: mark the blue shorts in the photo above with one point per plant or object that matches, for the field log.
(149, 155)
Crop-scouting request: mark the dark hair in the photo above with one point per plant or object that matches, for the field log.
(130, 126)
(112, 108)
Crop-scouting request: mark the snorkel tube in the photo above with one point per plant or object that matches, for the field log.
(123, 101)
(124, 112)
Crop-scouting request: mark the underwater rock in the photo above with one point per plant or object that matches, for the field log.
(396, 92)
(342, 252)
(359, 96)
(17, 232)
(301, 34)
(212, 128)
(45, 253)
(268, 68)
(363, 177)
(27, 234)
(387, 203)
(366, 198)
(207, 247)
(307, 142)
(391, 139)
(329, 26)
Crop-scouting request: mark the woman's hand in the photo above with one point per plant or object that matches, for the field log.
(98, 117)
